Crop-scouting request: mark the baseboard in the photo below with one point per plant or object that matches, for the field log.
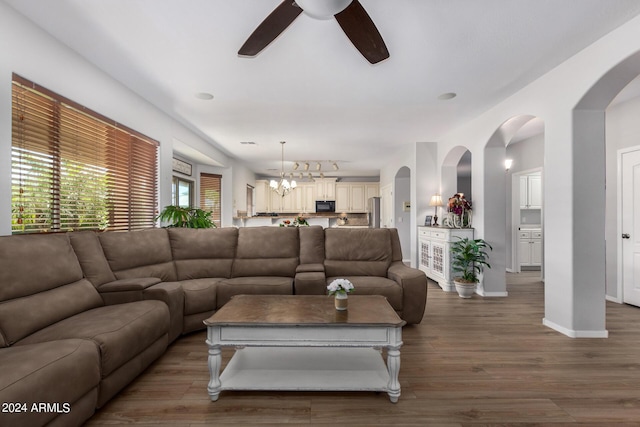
(484, 293)
(571, 333)
(613, 299)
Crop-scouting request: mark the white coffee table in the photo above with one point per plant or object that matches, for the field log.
(301, 343)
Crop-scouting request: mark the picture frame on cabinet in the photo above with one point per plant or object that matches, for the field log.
(427, 220)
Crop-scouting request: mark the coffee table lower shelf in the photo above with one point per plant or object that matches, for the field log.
(306, 369)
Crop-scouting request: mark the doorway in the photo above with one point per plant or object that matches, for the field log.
(629, 225)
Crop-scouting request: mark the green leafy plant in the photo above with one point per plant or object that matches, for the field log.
(469, 257)
(186, 217)
(298, 222)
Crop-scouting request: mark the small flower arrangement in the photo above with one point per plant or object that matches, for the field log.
(458, 204)
(297, 222)
(340, 286)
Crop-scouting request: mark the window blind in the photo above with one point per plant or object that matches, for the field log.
(210, 196)
(73, 169)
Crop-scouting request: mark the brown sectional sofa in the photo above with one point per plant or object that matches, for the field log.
(82, 314)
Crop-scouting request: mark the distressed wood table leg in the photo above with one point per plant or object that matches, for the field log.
(215, 362)
(393, 364)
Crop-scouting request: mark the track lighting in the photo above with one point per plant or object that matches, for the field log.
(306, 166)
(296, 165)
(335, 166)
(318, 166)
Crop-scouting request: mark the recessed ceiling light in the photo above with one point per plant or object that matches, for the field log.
(204, 96)
(448, 95)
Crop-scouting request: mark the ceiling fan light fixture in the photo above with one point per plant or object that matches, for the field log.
(326, 9)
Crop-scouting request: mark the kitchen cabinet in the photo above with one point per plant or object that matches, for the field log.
(531, 191)
(434, 253)
(305, 197)
(353, 196)
(325, 189)
(530, 248)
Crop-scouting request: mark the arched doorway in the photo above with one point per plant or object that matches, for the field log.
(580, 167)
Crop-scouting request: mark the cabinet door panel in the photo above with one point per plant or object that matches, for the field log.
(358, 203)
(536, 252)
(342, 198)
(525, 252)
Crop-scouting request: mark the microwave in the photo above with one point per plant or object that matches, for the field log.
(325, 205)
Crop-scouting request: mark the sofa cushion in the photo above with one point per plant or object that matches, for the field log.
(267, 251)
(120, 331)
(95, 267)
(21, 317)
(52, 372)
(311, 244)
(357, 252)
(207, 252)
(370, 285)
(144, 253)
(32, 264)
(270, 285)
(199, 295)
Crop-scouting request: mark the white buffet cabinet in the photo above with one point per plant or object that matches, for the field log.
(530, 249)
(434, 255)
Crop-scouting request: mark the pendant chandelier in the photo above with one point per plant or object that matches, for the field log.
(282, 187)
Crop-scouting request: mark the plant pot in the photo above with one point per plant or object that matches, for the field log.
(341, 301)
(465, 289)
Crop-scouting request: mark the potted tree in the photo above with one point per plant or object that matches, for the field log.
(468, 259)
(186, 217)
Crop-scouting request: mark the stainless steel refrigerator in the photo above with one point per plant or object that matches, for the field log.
(374, 212)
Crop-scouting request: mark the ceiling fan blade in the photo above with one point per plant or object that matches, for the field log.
(358, 26)
(274, 24)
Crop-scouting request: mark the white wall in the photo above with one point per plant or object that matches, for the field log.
(32, 53)
(420, 158)
(573, 151)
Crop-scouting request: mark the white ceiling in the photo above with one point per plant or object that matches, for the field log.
(311, 87)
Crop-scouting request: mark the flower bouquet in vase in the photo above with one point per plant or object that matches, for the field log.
(340, 288)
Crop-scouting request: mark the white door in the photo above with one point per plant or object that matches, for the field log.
(631, 227)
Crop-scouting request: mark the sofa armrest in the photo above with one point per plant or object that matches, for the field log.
(123, 285)
(308, 268)
(126, 290)
(414, 290)
(310, 280)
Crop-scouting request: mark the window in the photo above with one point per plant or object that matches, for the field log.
(210, 196)
(73, 169)
(182, 192)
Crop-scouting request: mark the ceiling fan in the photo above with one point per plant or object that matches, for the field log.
(350, 14)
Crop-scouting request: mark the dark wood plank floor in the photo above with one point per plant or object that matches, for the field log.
(483, 361)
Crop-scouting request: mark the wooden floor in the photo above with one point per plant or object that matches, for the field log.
(483, 361)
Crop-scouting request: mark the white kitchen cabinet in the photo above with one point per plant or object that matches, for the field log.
(531, 191)
(353, 196)
(325, 189)
(305, 197)
(530, 248)
(263, 196)
(372, 189)
(434, 253)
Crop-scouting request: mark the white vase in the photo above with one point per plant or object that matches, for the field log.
(341, 301)
(465, 290)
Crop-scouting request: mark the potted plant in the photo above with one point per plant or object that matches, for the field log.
(468, 258)
(179, 216)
